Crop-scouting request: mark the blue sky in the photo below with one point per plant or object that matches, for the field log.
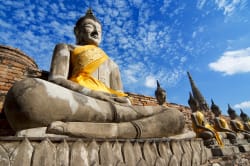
(150, 40)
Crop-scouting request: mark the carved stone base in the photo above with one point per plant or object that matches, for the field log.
(244, 148)
(224, 151)
(75, 152)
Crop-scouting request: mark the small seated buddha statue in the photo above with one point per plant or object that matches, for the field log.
(83, 96)
(236, 123)
(245, 120)
(220, 124)
(200, 125)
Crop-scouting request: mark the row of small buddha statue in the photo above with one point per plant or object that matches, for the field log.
(237, 128)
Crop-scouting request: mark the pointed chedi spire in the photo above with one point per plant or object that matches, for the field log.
(197, 95)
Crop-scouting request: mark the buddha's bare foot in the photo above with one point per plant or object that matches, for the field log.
(57, 127)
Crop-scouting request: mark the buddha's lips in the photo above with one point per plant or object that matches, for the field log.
(94, 36)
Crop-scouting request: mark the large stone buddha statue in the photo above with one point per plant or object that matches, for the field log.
(83, 96)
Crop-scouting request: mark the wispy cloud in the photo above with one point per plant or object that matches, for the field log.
(150, 82)
(243, 105)
(233, 62)
(227, 6)
(149, 41)
(165, 6)
(198, 30)
(200, 4)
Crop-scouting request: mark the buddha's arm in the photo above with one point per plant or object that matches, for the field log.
(60, 62)
(115, 78)
(218, 124)
(235, 126)
(59, 72)
(247, 126)
(195, 121)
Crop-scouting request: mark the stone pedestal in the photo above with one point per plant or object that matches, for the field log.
(74, 152)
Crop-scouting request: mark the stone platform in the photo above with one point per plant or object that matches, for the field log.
(16, 151)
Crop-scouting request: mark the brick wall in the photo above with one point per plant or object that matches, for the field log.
(142, 100)
(14, 66)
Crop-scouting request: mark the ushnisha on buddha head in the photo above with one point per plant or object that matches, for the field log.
(88, 30)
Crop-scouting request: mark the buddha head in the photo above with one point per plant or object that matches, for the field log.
(88, 30)
(215, 109)
(231, 112)
(194, 105)
(243, 116)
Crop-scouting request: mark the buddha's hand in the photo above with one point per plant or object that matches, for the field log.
(67, 84)
(105, 96)
(96, 94)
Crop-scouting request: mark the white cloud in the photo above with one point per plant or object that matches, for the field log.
(141, 45)
(198, 30)
(233, 62)
(5, 24)
(200, 4)
(165, 5)
(228, 7)
(243, 105)
(150, 82)
(194, 34)
(133, 71)
(137, 3)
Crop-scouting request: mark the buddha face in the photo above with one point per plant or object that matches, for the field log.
(89, 32)
(232, 115)
(216, 111)
(244, 118)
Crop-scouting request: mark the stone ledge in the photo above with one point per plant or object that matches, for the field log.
(74, 151)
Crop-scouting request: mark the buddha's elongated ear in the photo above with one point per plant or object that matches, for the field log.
(75, 31)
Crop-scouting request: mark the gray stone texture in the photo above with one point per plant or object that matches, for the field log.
(72, 151)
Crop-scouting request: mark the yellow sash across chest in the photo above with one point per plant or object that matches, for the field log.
(224, 123)
(239, 125)
(84, 61)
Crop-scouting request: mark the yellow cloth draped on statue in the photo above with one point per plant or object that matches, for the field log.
(84, 61)
(223, 123)
(239, 124)
(200, 119)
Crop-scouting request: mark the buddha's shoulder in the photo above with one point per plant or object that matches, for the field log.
(68, 46)
(111, 63)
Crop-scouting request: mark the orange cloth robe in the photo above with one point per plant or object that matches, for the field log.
(84, 61)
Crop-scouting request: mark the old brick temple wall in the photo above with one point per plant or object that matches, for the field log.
(14, 66)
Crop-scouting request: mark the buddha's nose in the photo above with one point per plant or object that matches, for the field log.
(94, 33)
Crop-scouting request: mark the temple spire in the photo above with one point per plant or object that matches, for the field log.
(197, 95)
